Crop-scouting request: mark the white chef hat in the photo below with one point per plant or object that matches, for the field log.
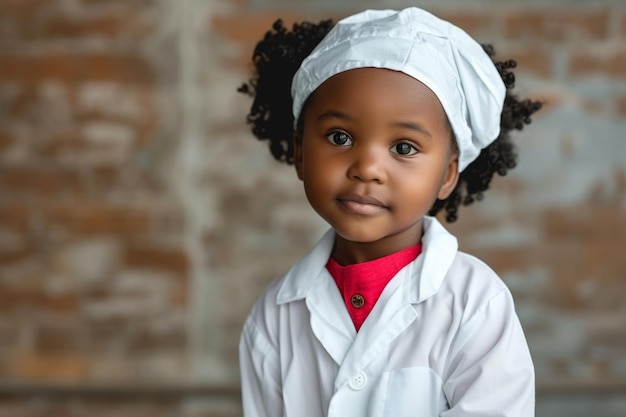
(437, 53)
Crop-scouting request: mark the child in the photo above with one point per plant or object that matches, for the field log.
(388, 117)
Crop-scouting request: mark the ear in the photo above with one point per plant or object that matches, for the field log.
(297, 153)
(451, 177)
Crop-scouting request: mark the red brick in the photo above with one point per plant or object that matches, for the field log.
(49, 367)
(118, 23)
(65, 27)
(250, 27)
(556, 25)
(592, 62)
(572, 224)
(18, 13)
(57, 338)
(474, 23)
(129, 68)
(565, 274)
(22, 8)
(551, 99)
(11, 256)
(39, 181)
(21, 104)
(146, 132)
(14, 67)
(45, 20)
(532, 60)
(104, 178)
(14, 216)
(605, 260)
(61, 142)
(69, 67)
(6, 140)
(179, 296)
(89, 219)
(12, 299)
(171, 260)
(9, 335)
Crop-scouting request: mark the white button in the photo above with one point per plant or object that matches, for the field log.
(358, 381)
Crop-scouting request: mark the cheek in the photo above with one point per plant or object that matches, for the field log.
(320, 173)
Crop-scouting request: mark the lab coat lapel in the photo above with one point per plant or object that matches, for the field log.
(395, 310)
(330, 320)
(391, 315)
(309, 280)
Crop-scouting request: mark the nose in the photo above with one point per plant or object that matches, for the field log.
(367, 165)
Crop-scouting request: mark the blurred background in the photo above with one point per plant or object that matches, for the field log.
(139, 219)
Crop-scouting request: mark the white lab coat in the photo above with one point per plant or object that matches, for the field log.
(442, 340)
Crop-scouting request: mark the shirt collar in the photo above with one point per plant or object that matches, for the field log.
(427, 271)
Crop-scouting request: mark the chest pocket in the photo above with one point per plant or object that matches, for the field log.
(414, 392)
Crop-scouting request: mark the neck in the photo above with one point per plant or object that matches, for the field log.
(347, 252)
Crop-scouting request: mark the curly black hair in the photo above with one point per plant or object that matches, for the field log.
(278, 56)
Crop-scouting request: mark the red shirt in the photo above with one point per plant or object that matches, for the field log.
(361, 284)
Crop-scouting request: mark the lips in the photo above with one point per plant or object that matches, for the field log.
(362, 204)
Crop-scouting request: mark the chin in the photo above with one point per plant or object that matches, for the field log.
(358, 236)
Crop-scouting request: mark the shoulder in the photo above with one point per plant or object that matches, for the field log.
(263, 315)
(469, 269)
(282, 301)
(296, 283)
(474, 285)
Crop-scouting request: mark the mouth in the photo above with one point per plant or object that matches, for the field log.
(360, 204)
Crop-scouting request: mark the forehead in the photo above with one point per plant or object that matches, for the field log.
(378, 90)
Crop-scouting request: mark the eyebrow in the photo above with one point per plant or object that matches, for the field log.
(333, 114)
(414, 126)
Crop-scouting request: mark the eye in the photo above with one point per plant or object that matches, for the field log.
(339, 139)
(404, 149)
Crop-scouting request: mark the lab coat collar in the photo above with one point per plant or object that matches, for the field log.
(429, 269)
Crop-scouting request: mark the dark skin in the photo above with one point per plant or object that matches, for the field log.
(280, 53)
(374, 154)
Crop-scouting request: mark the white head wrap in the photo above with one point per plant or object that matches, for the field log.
(440, 55)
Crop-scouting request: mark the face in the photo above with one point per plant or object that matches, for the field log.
(374, 154)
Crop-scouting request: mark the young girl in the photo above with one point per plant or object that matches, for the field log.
(388, 117)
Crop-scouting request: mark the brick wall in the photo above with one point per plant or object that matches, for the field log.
(139, 220)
